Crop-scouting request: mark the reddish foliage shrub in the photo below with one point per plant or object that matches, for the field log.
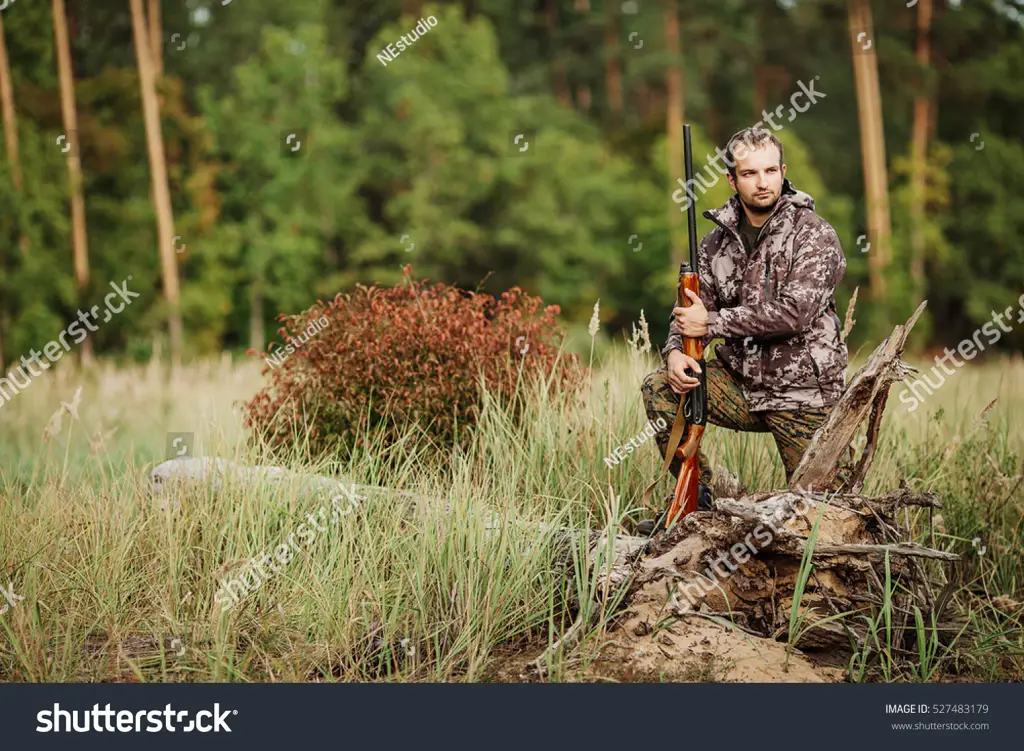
(411, 352)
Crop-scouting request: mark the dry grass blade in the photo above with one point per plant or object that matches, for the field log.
(850, 321)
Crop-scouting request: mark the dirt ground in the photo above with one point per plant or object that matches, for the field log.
(647, 645)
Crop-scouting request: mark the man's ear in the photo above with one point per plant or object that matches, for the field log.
(783, 171)
(732, 181)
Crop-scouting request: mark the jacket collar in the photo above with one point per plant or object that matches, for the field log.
(728, 216)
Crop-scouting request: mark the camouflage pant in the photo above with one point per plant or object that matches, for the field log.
(727, 407)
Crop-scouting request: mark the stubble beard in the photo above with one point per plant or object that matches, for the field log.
(759, 209)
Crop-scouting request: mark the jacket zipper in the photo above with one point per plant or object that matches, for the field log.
(708, 215)
(767, 278)
(817, 373)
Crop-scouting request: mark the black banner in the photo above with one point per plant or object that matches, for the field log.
(86, 716)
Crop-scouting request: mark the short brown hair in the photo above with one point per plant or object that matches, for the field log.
(749, 139)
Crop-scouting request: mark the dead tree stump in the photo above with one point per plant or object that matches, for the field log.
(742, 560)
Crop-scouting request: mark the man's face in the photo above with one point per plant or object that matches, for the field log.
(758, 178)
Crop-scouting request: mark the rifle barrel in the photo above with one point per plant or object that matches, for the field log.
(691, 211)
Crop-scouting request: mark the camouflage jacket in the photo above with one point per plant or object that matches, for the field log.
(775, 308)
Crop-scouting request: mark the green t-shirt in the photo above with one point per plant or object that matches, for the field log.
(748, 232)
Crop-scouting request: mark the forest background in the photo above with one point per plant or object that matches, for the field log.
(282, 162)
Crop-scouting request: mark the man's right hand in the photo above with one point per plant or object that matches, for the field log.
(677, 363)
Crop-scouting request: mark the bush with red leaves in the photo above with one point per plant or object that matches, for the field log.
(380, 357)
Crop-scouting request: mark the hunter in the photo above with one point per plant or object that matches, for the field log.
(768, 275)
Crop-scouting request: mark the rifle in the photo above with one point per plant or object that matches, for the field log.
(694, 406)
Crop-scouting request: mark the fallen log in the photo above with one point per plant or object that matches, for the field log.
(213, 473)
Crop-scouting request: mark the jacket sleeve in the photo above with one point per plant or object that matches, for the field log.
(708, 296)
(818, 267)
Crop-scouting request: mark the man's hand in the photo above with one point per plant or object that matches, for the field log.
(676, 365)
(693, 320)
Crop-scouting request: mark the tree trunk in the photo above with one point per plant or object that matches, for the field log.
(768, 79)
(257, 337)
(644, 102)
(583, 98)
(872, 139)
(70, 118)
(919, 151)
(11, 140)
(156, 38)
(674, 124)
(613, 64)
(10, 119)
(759, 86)
(714, 122)
(158, 168)
(561, 82)
(156, 41)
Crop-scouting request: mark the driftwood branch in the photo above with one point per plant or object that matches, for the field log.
(856, 481)
(868, 389)
(909, 549)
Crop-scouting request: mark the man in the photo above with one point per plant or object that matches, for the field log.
(768, 274)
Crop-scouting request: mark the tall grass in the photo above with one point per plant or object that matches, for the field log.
(120, 586)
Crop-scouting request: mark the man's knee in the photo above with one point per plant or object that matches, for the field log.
(653, 379)
(654, 386)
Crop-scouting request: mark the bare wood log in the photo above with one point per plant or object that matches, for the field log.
(774, 511)
(217, 474)
(909, 548)
(895, 499)
(868, 389)
(726, 484)
(856, 481)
